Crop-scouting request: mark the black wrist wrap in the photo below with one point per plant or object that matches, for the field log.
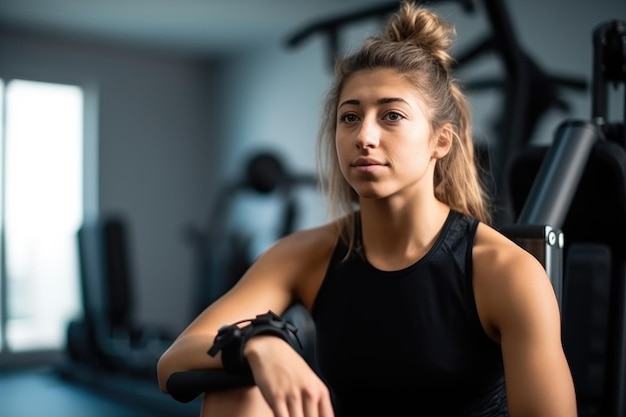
(231, 339)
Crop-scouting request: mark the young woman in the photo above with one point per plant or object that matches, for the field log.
(418, 303)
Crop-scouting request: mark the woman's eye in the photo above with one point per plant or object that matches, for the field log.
(349, 118)
(393, 116)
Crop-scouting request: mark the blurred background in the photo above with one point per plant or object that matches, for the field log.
(150, 150)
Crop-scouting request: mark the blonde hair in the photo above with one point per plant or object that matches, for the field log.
(415, 43)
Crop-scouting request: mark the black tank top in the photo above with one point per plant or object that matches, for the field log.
(409, 339)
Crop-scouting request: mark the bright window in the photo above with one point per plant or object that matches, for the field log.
(42, 186)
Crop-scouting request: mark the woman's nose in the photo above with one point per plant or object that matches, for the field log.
(368, 134)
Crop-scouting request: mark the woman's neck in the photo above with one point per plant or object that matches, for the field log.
(395, 237)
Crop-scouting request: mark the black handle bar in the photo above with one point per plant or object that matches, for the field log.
(186, 386)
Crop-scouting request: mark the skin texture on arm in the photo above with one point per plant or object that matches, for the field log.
(518, 308)
(239, 402)
(291, 270)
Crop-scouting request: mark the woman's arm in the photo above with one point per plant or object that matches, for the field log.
(286, 272)
(518, 306)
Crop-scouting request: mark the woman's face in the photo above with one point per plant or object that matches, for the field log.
(383, 137)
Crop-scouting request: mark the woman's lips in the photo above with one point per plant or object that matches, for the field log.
(366, 164)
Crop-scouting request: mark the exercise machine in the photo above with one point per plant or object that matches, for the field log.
(222, 252)
(107, 338)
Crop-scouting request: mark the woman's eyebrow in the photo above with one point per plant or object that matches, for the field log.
(384, 100)
(387, 100)
(351, 101)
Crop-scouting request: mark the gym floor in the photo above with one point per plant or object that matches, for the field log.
(52, 393)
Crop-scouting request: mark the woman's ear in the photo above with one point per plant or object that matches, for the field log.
(442, 142)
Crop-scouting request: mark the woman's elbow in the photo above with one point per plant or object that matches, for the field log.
(164, 371)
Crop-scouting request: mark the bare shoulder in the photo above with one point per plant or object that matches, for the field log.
(301, 259)
(518, 308)
(305, 246)
(507, 279)
(496, 253)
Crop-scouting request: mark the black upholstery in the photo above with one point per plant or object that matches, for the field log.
(107, 337)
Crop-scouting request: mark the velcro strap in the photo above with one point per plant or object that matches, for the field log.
(231, 339)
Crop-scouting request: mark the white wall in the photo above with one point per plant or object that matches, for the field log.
(154, 143)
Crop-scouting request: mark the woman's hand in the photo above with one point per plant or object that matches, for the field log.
(287, 382)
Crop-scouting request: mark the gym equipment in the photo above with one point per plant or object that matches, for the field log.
(529, 92)
(223, 254)
(545, 206)
(589, 204)
(107, 338)
(331, 27)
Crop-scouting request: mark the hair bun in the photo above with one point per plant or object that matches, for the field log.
(423, 28)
